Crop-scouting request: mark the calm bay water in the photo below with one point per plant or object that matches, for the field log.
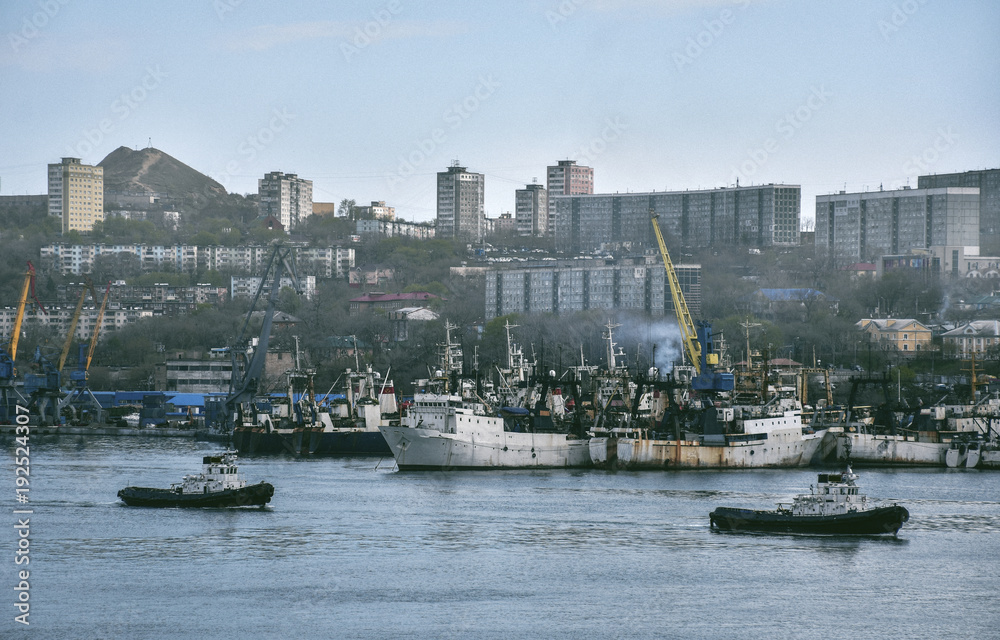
(350, 548)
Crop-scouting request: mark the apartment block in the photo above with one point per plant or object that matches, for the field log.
(77, 259)
(567, 178)
(246, 286)
(285, 196)
(531, 211)
(76, 194)
(396, 228)
(760, 216)
(460, 204)
(856, 227)
(60, 317)
(377, 211)
(988, 183)
(565, 286)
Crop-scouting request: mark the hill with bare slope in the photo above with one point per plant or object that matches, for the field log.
(153, 170)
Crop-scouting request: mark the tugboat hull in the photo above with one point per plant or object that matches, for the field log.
(882, 520)
(249, 496)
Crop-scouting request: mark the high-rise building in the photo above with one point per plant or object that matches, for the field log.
(76, 194)
(988, 183)
(760, 216)
(531, 211)
(460, 204)
(567, 178)
(853, 227)
(285, 196)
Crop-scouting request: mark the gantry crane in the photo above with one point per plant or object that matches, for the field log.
(697, 341)
(239, 406)
(81, 398)
(44, 387)
(71, 333)
(10, 398)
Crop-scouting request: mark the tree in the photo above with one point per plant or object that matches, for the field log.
(346, 209)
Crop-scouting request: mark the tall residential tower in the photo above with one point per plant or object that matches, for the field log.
(460, 204)
(531, 211)
(566, 178)
(76, 194)
(285, 196)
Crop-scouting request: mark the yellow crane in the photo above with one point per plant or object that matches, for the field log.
(97, 330)
(697, 340)
(689, 335)
(89, 286)
(29, 285)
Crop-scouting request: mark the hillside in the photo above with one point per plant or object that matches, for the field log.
(150, 169)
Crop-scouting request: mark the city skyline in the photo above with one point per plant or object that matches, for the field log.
(371, 100)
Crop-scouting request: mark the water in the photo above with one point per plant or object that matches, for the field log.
(348, 550)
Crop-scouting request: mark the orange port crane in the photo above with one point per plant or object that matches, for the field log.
(89, 286)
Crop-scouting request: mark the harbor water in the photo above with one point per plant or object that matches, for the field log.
(351, 548)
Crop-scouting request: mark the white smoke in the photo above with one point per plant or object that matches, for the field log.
(649, 336)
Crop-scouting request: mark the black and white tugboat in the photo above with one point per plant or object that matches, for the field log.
(218, 485)
(833, 506)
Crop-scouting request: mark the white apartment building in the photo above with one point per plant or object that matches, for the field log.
(531, 211)
(77, 259)
(285, 196)
(246, 286)
(460, 204)
(76, 194)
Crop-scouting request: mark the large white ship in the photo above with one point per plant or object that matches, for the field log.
(449, 426)
(773, 441)
(445, 431)
(925, 440)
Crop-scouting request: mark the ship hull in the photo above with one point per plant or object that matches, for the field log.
(778, 451)
(427, 449)
(252, 441)
(870, 449)
(349, 443)
(878, 521)
(252, 495)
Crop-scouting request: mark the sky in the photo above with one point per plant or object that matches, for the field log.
(370, 99)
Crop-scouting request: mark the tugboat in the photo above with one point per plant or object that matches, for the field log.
(218, 485)
(833, 506)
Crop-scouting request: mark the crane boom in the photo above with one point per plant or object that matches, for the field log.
(29, 285)
(97, 328)
(689, 335)
(74, 321)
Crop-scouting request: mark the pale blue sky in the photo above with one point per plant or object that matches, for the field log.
(371, 99)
